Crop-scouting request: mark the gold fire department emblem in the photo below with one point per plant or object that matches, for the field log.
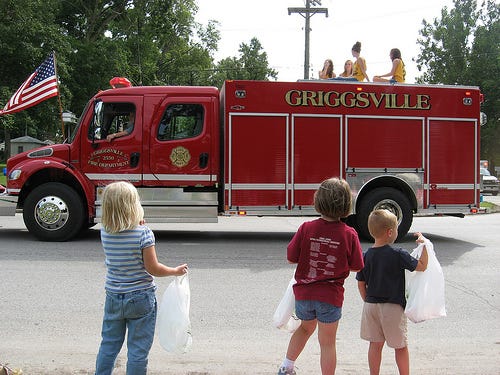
(180, 156)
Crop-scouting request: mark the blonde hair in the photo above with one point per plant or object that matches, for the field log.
(380, 221)
(345, 73)
(121, 207)
(333, 198)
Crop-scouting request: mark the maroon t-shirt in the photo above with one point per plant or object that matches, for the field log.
(325, 252)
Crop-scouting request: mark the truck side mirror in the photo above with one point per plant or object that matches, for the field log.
(483, 119)
(97, 119)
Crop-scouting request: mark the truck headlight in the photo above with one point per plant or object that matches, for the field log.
(15, 174)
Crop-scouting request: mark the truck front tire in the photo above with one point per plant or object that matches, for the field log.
(53, 212)
(385, 198)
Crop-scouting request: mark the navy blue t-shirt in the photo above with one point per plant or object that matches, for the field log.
(384, 274)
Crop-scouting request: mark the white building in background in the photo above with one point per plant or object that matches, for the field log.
(25, 143)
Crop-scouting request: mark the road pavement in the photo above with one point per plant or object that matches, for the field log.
(51, 299)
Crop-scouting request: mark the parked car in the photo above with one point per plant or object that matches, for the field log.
(489, 183)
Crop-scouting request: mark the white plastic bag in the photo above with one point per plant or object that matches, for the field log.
(284, 317)
(174, 325)
(425, 290)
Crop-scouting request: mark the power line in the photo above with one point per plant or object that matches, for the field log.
(307, 13)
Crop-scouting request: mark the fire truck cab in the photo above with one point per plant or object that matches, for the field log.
(258, 148)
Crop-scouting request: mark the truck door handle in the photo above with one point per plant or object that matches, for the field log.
(203, 160)
(134, 159)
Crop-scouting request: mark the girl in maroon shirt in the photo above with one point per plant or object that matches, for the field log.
(325, 251)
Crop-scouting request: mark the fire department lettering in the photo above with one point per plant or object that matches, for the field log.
(361, 99)
(108, 158)
(180, 156)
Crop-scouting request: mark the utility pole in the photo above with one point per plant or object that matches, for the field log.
(307, 13)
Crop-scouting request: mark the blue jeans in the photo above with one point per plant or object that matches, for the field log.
(135, 312)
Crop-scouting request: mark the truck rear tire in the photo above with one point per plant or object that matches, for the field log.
(53, 212)
(385, 198)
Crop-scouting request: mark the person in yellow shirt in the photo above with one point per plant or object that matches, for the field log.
(397, 72)
(327, 71)
(347, 69)
(359, 68)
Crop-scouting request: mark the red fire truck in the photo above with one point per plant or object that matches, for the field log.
(257, 148)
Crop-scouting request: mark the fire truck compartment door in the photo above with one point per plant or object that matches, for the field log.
(316, 155)
(384, 143)
(277, 161)
(256, 164)
(452, 171)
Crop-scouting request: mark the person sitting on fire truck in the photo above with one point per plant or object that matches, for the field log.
(327, 71)
(347, 73)
(397, 72)
(359, 68)
(127, 130)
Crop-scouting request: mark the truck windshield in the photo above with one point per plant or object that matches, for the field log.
(485, 172)
(72, 131)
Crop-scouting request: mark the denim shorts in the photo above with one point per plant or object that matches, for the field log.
(322, 311)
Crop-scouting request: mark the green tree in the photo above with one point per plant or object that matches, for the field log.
(151, 42)
(166, 45)
(94, 57)
(463, 47)
(28, 34)
(486, 67)
(251, 64)
(445, 45)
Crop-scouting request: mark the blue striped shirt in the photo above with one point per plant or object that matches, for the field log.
(124, 262)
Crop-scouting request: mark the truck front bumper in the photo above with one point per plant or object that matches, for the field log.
(490, 188)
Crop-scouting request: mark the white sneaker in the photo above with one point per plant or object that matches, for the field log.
(286, 371)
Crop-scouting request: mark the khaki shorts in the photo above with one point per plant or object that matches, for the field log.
(384, 322)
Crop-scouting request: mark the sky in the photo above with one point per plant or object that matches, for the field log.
(379, 25)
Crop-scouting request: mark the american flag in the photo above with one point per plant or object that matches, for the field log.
(40, 85)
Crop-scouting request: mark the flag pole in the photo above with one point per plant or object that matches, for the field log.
(59, 97)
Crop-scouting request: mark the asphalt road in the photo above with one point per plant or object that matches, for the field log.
(51, 299)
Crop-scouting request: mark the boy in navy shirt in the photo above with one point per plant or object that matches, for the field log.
(381, 284)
